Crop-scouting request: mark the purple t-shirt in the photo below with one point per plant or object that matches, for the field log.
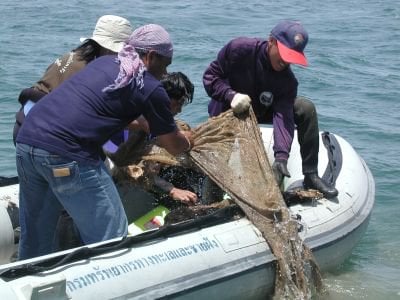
(77, 118)
(243, 66)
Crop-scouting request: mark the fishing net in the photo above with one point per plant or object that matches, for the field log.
(137, 161)
(229, 150)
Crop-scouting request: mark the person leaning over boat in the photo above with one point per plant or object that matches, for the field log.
(256, 72)
(59, 157)
(108, 37)
(180, 92)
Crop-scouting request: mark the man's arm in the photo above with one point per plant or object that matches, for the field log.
(175, 142)
(175, 193)
(139, 124)
(162, 124)
(215, 78)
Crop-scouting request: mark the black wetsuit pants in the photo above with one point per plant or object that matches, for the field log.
(306, 120)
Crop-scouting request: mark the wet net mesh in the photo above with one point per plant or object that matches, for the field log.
(230, 151)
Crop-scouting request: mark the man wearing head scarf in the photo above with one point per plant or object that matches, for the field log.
(251, 71)
(59, 157)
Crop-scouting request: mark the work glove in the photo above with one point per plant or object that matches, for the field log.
(240, 103)
(279, 167)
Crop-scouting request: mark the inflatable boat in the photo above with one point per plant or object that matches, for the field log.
(217, 256)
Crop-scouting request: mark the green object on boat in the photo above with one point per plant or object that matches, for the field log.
(153, 219)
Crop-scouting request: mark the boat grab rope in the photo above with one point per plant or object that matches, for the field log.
(335, 158)
(218, 217)
(333, 167)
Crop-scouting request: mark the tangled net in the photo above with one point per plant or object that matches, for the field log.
(230, 151)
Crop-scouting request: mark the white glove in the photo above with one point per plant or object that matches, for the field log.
(240, 103)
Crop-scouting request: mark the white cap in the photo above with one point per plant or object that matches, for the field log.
(111, 32)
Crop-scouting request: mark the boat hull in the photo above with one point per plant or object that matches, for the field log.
(230, 260)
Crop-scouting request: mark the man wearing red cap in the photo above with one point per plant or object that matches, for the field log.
(251, 71)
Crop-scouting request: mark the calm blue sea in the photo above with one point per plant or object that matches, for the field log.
(353, 78)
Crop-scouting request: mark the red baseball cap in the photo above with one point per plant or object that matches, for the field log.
(291, 39)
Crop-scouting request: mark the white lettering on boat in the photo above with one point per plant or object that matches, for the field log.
(100, 274)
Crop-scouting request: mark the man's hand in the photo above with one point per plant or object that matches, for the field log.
(280, 170)
(240, 103)
(184, 196)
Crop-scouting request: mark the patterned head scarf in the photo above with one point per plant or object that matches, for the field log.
(143, 39)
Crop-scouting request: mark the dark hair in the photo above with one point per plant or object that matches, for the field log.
(88, 50)
(177, 86)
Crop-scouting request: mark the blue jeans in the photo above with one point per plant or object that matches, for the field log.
(49, 183)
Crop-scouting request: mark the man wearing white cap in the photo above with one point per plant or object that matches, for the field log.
(111, 32)
(256, 72)
(108, 37)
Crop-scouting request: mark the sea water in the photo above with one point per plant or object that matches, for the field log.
(353, 78)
